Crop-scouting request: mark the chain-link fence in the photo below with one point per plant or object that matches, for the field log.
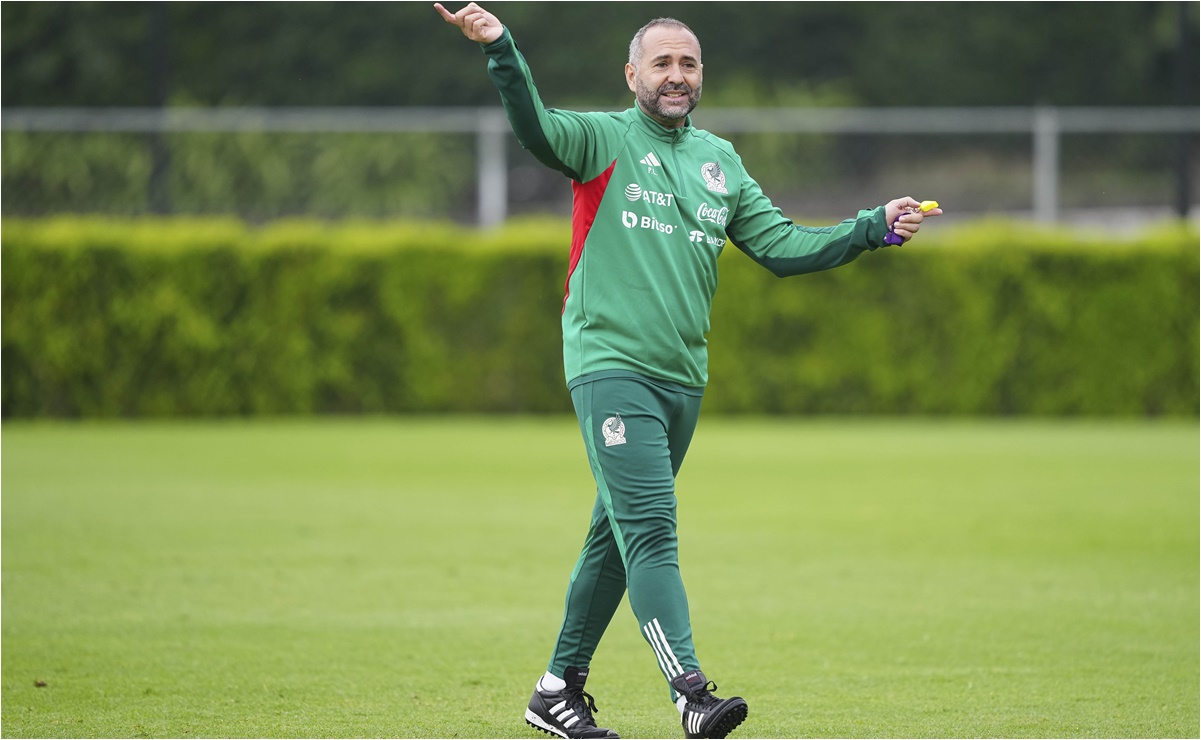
(1106, 167)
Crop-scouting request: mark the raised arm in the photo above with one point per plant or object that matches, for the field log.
(562, 140)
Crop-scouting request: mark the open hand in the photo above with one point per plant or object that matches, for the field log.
(476, 23)
(905, 216)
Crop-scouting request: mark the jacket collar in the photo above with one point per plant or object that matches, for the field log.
(658, 130)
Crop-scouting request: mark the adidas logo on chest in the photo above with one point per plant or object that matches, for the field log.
(652, 163)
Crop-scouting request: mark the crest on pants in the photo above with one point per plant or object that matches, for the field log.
(614, 430)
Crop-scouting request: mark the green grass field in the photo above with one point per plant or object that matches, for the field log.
(404, 578)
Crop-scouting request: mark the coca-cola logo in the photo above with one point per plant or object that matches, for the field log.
(713, 215)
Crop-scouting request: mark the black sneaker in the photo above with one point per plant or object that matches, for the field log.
(566, 713)
(704, 715)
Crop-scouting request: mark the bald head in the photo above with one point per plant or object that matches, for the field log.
(636, 48)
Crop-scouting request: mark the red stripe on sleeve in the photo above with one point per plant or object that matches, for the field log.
(586, 199)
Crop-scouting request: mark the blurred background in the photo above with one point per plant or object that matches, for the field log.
(1067, 112)
(237, 208)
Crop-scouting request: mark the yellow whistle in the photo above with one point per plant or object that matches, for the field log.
(928, 205)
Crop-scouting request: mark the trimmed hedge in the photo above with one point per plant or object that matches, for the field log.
(980, 322)
(186, 317)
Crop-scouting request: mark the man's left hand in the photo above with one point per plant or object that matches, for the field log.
(905, 216)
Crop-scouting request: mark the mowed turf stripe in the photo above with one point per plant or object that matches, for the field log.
(342, 578)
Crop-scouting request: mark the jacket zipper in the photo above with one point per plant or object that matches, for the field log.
(681, 190)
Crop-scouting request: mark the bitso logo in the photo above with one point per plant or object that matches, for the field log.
(633, 192)
(715, 179)
(630, 220)
(696, 236)
(614, 430)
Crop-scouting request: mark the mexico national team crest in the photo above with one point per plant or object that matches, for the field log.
(614, 430)
(715, 179)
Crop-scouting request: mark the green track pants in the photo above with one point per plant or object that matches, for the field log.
(636, 432)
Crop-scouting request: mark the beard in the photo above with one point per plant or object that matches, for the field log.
(660, 108)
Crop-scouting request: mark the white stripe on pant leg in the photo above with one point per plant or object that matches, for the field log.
(663, 666)
(666, 646)
(662, 651)
(646, 630)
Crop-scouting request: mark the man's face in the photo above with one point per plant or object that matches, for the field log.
(667, 81)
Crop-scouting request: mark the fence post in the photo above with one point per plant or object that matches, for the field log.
(493, 170)
(1046, 164)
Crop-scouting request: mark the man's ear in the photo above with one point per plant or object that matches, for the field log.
(630, 72)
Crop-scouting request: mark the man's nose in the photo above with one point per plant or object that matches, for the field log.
(675, 74)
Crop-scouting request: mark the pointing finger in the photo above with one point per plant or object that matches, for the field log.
(446, 14)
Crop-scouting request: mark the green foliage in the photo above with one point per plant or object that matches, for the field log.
(166, 317)
(986, 321)
(261, 175)
(326, 53)
(191, 54)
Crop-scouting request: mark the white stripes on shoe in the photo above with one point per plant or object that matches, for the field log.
(667, 659)
(564, 714)
(693, 720)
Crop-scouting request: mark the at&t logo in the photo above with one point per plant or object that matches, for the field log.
(635, 193)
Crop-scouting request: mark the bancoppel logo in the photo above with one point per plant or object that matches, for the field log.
(715, 179)
(651, 162)
(614, 430)
(634, 193)
(700, 237)
(713, 215)
(630, 220)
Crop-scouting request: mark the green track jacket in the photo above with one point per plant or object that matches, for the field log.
(653, 208)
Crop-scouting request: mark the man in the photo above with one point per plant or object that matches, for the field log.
(655, 201)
